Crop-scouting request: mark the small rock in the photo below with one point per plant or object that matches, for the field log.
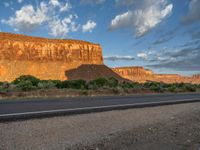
(189, 141)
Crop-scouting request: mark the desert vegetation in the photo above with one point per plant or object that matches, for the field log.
(28, 83)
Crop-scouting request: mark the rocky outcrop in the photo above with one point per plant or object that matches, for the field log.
(91, 72)
(170, 78)
(44, 58)
(196, 78)
(139, 74)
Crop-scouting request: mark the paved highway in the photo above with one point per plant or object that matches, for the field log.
(21, 109)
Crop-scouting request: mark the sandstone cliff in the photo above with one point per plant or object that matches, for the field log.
(139, 74)
(44, 58)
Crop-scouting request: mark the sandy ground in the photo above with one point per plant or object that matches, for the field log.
(165, 127)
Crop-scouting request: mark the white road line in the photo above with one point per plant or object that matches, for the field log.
(91, 108)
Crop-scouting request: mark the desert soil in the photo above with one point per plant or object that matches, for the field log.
(166, 127)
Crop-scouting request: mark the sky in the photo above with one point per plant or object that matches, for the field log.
(162, 35)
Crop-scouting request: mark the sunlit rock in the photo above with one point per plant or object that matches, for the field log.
(44, 58)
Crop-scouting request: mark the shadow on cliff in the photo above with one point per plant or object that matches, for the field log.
(91, 72)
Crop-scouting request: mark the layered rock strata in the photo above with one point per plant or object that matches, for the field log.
(139, 74)
(44, 58)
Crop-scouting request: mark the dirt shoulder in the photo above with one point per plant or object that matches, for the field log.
(51, 93)
(68, 93)
(165, 127)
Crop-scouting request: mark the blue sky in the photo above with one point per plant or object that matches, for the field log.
(162, 35)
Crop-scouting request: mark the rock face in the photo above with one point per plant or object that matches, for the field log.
(44, 58)
(139, 74)
(196, 78)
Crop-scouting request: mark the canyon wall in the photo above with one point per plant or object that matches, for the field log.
(44, 58)
(141, 75)
(137, 74)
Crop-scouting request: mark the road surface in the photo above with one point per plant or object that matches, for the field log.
(43, 107)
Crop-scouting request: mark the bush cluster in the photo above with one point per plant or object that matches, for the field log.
(29, 83)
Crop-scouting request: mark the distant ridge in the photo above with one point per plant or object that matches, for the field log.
(139, 74)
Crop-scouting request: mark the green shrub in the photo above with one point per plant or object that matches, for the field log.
(22, 80)
(190, 88)
(56, 82)
(3, 89)
(46, 84)
(130, 85)
(98, 83)
(153, 84)
(25, 85)
(78, 84)
(198, 86)
(172, 88)
(147, 84)
(180, 85)
(126, 85)
(112, 82)
(63, 84)
(74, 84)
(156, 88)
(92, 85)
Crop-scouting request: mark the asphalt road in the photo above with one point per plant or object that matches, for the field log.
(21, 109)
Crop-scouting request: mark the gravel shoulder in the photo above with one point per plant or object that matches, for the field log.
(165, 127)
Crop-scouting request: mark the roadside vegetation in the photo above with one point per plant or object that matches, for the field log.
(29, 83)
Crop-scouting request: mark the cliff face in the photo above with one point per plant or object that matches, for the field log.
(44, 58)
(196, 78)
(139, 74)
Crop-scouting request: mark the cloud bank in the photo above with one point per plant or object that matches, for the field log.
(89, 26)
(117, 58)
(29, 18)
(194, 12)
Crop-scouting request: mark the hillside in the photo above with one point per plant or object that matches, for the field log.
(90, 72)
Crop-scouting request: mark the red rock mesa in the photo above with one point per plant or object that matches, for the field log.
(139, 74)
(44, 58)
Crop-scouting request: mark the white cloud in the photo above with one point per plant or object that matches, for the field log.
(143, 55)
(47, 15)
(60, 28)
(117, 57)
(19, 1)
(121, 20)
(89, 26)
(54, 2)
(62, 6)
(144, 17)
(27, 18)
(65, 7)
(194, 12)
(92, 2)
